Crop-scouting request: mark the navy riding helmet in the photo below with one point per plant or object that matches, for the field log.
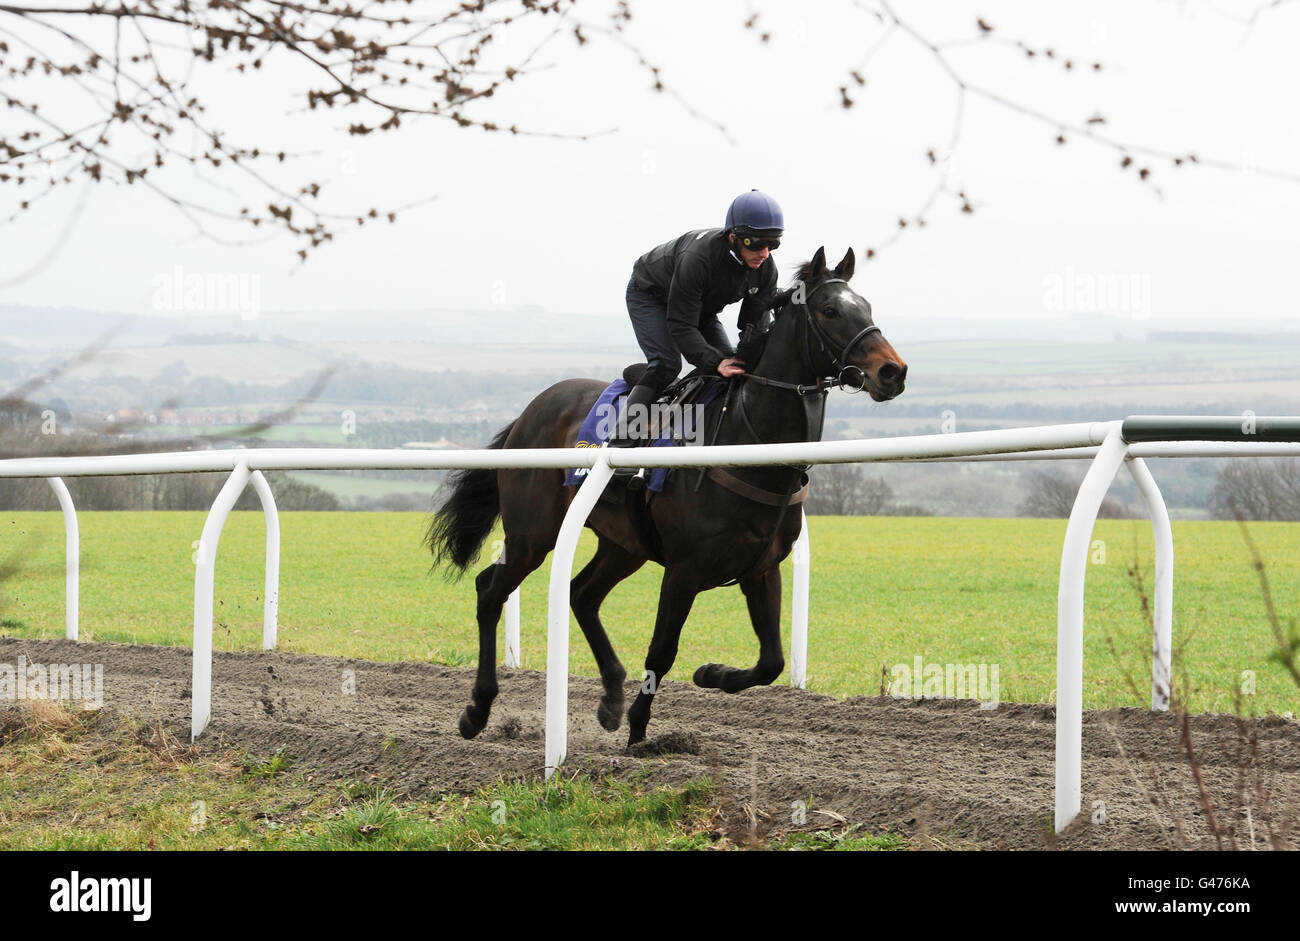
(755, 213)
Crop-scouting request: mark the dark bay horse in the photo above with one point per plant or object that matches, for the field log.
(710, 534)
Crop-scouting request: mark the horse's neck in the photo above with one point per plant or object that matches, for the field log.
(785, 357)
(774, 414)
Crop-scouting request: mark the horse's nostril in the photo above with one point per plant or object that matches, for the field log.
(889, 373)
(902, 373)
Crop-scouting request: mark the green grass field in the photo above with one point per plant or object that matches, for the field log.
(355, 485)
(884, 591)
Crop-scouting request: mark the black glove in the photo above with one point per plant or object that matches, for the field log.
(752, 343)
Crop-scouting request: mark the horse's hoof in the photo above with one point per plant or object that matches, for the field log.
(634, 737)
(706, 676)
(610, 715)
(468, 726)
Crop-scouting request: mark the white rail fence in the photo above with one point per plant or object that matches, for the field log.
(1104, 443)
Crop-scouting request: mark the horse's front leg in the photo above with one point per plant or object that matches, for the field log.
(763, 595)
(676, 595)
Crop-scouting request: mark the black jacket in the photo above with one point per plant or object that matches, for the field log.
(698, 276)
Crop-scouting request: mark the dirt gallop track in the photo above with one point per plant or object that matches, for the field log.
(944, 774)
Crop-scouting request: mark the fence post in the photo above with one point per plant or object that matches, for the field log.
(271, 591)
(512, 630)
(71, 559)
(557, 611)
(1163, 628)
(1069, 626)
(204, 581)
(799, 607)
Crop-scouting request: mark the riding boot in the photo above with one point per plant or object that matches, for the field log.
(639, 399)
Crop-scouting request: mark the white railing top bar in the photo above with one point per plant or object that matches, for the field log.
(1050, 442)
(1214, 449)
(226, 459)
(1083, 434)
(1144, 449)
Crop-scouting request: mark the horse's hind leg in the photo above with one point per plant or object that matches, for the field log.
(494, 584)
(763, 596)
(609, 566)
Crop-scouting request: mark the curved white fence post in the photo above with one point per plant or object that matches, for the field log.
(1069, 627)
(512, 630)
(71, 558)
(799, 607)
(204, 581)
(1163, 628)
(557, 611)
(271, 592)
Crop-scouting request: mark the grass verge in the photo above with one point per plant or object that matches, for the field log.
(96, 780)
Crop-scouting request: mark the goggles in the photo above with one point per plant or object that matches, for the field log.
(756, 244)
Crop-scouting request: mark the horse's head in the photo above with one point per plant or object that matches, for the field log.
(839, 337)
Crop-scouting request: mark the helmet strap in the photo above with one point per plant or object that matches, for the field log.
(735, 250)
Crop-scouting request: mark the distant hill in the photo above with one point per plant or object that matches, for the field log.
(54, 328)
(530, 327)
(1211, 336)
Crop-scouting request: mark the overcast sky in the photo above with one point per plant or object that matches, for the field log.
(558, 223)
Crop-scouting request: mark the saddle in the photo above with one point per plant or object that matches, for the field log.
(695, 386)
(677, 396)
(682, 391)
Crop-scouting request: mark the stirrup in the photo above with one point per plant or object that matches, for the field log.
(635, 477)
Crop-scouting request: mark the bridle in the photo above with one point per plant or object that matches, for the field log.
(823, 340)
(824, 384)
(826, 344)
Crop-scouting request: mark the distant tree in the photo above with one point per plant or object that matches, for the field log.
(1051, 495)
(906, 509)
(394, 502)
(846, 490)
(1257, 489)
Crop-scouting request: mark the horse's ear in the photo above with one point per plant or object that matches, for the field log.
(818, 263)
(845, 268)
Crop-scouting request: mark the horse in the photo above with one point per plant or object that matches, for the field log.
(713, 529)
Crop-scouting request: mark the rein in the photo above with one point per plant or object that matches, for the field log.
(793, 494)
(822, 387)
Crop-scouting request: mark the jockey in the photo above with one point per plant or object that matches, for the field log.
(677, 290)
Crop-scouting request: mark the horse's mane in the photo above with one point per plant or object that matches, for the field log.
(782, 298)
(801, 274)
(803, 271)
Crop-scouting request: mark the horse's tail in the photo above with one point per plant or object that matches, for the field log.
(466, 516)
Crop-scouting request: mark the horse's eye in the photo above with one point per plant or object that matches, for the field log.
(830, 312)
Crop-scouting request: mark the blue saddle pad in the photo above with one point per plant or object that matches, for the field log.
(599, 422)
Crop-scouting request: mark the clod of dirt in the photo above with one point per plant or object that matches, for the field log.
(512, 728)
(674, 743)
